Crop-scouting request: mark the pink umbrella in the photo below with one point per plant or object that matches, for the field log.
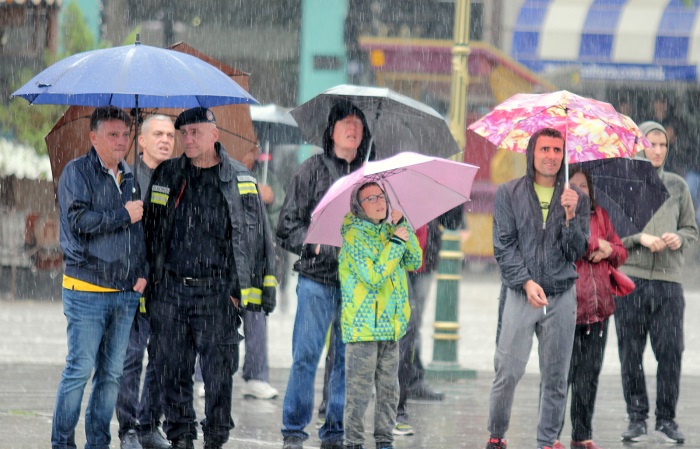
(592, 129)
(421, 187)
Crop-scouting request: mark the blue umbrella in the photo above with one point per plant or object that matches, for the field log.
(134, 76)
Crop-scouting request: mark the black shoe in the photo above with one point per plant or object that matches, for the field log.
(212, 446)
(292, 442)
(332, 444)
(635, 431)
(669, 428)
(423, 392)
(153, 439)
(183, 443)
(130, 440)
(496, 443)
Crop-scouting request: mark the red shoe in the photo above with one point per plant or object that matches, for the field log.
(558, 445)
(496, 443)
(583, 445)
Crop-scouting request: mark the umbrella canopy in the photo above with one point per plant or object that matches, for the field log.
(592, 129)
(630, 191)
(133, 76)
(397, 122)
(421, 187)
(69, 138)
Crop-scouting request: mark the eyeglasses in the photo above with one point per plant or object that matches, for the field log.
(374, 198)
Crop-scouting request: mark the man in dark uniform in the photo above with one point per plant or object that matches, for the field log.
(209, 247)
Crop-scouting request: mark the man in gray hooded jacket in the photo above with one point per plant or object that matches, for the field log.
(540, 228)
(655, 308)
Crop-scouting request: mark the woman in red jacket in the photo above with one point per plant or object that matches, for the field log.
(595, 305)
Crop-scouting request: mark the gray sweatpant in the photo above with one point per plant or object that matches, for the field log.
(368, 365)
(555, 332)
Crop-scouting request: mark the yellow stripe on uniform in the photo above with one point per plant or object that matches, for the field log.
(159, 198)
(270, 281)
(251, 296)
(247, 188)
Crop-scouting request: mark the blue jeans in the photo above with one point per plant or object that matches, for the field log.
(318, 306)
(98, 334)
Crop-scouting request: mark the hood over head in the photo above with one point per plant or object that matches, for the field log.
(530, 152)
(356, 207)
(340, 110)
(648, 127)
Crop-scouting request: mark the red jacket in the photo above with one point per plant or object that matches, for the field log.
(593, 292)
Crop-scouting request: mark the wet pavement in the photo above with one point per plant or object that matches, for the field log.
(33, 347)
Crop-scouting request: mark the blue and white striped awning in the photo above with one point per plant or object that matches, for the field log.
(644, 40)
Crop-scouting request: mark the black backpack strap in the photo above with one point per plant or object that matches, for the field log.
(332, 169)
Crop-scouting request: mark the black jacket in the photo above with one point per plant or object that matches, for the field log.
(253, 274)
(528, 248)
(310, 182)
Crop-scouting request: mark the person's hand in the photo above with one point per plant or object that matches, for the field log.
(604, 251)
(266, 193)
(135, 210)
(672, 240)
(235, 301)
(396, 216)
(317, 250)
(402, 233)
(569, 199)
(535, 294)
(654, 243)
(140, 285)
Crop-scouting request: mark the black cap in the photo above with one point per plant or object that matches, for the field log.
(195, 115)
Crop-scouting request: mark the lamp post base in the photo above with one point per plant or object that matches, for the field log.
(450, 371)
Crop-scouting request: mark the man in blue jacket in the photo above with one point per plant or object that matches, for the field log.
(540, 228)
(104, 276)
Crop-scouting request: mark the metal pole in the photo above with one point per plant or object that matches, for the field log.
(446, 336)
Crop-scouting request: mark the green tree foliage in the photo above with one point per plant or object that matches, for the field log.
(30, 123)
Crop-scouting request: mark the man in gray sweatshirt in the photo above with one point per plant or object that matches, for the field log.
(656, 306)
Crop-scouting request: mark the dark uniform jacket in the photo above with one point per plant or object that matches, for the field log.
(253, 254)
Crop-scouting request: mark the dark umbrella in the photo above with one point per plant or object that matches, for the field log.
(630, 191)
(133, 76)
(397, 123)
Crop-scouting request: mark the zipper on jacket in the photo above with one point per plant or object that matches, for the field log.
(376, 314)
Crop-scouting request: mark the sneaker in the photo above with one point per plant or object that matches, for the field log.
(208, 445)
(199, 391)
(183, 443)
(320, 421)
(292, 442)
(153, 439)
(582, 445)
(669, 429)
(635, 431)
(258, 389)
(332, 444)
(496, 443)
(557, 445)
(403, 429)
(423, 392)
(130, 440)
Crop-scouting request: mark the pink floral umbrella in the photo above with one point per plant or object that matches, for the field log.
(592, 129)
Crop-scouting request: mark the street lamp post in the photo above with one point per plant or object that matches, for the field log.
(446, 325)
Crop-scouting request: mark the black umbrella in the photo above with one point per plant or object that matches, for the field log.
(630, 191)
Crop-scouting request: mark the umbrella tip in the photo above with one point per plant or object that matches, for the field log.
(138, 39)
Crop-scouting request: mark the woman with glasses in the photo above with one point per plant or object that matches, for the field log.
(378, 248)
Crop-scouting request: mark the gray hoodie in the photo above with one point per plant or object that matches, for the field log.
(676, 215)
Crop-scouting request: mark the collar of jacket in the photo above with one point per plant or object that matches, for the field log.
(226, 171)
(94, 158)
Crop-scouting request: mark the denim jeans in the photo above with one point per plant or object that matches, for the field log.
(132, 413)
(318, 306)
(98, 334)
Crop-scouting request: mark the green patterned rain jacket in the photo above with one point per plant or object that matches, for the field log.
(372, 268)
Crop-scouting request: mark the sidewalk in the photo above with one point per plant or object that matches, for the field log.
(33, 347)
